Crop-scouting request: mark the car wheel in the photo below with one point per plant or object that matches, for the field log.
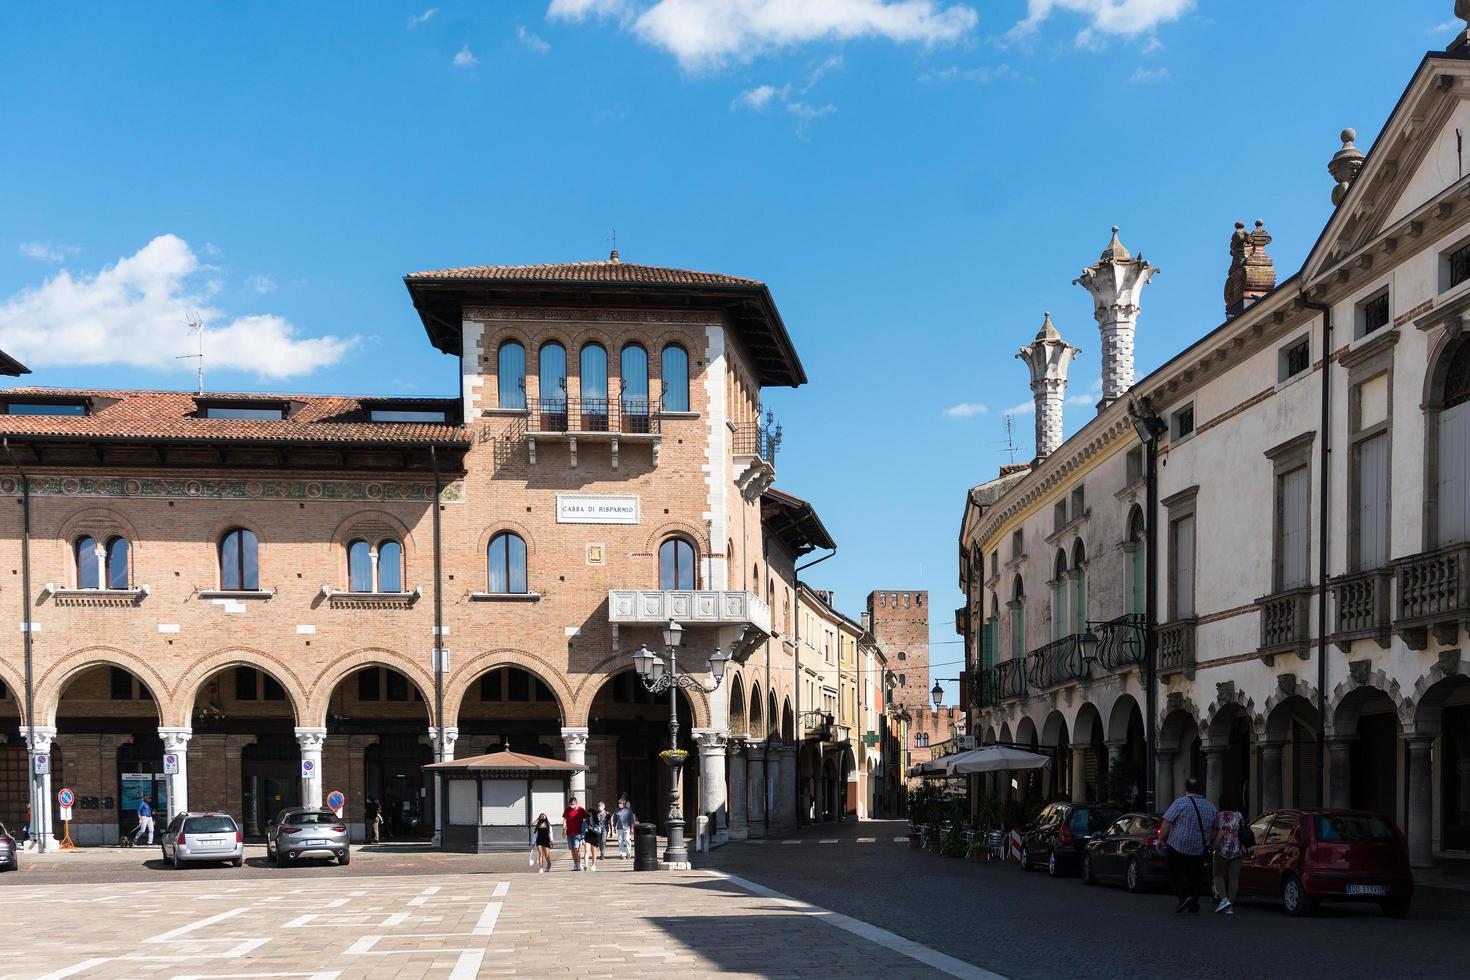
(164, 852)
(1087, 876)
(1133, 879)
(1396, 907)
(1294, 896)
(346, 858)
(237, 862)
(275, 856)
(1025, 858)
(1052, 868)
(178, 865)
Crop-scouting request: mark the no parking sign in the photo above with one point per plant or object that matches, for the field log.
(308, 768)
(336, 801)
(66, 798)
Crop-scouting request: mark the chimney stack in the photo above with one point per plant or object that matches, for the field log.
(1344, 165)
(1115, 281)
(1252, 273)
(1048, 357)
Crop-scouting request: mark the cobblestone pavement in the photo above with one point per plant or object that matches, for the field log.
(1028, 925)
(615, 923)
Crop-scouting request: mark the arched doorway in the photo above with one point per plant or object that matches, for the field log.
(629, 728)
(1126, 753)
(1290, 767)
(377, 743)
(1088, 735)
(243, 756)
(1027, 785)
(1228, 759)
(1059, 774)
(1179, 756)
(1445, 708)
(108, 751)
(15, 781)
(1368, 721)
(509, 708)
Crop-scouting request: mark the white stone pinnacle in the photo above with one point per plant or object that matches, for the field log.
(1048, 357)
(1115, 281)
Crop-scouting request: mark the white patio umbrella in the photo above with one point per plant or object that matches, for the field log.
(993, 758)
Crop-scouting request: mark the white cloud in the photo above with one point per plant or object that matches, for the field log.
(807, 114)
(464, 59)
(417, 19)
(1115, 18)
(985, 73)
(1451, 26)
(761, 96)
(965, 410)
(1149, 76)
(831, 64)
(532, 41)
(133, 311)
(47, 252)
(707, 34)
(1153, 46)
(263, 284)
(1025, 408)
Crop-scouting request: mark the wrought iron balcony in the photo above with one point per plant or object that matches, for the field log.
(623, 416)
(1059, 662)
(818, 725)
(1119, 641)
(1433, 594)
(986, 690)
(1175, 646)
(758, 439)
(1362, 603)
(1010, 679)
(1285, 623)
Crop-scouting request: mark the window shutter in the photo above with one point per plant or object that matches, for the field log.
(1454, 487)
(1184, 568)
(1059, 622)
(1079, 601)
(1294, 507)
(1372, 510)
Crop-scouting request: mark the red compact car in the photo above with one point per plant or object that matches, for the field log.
(1304, 857)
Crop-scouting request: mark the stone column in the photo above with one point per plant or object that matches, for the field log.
(1048, 358)
(1271, 774)
(575, 740)
(1079, 773)
(1340, 772)
(1421, 801)
(1215, 772)
(311, 741)
(38, 742)
(739, 789)
(1163, 779)
(176, 742)
(712, 745)
(755, 758)
(234, 782)
(786, 786)
(451, 734)
(1115, 282)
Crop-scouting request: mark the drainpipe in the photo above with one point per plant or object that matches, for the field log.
(796, 598)
(440, 815)
(25, 602)
(1324, 479)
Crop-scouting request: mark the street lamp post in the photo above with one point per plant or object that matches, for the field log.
(657, 679)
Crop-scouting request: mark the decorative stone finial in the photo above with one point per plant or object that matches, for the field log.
(1252, 272)
(1048, 357)
(1047, 331)
(614, 256)
(1115, 281)
(1344, 165)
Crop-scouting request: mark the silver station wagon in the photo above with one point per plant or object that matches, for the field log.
(203, 837)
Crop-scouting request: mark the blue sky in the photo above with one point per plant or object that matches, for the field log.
(916, 181)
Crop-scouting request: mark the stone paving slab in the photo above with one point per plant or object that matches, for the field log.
(615, 923)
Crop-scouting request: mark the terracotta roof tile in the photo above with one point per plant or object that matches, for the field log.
(172, 415)
(589, 272)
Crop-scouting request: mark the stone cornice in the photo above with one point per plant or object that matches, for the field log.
(488, 313)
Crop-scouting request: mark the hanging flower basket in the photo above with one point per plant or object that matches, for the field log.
(674, 757)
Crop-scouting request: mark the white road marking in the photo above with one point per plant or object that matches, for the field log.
(329, 975)
(500, 889)
(882, 937)
(867, 840)
(467, 967)
(791, 842)
(899, 840)
(75, 969)
(832, 841)
(173, 934)
(488, 918)
(423, 896)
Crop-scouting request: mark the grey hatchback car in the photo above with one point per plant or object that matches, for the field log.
(203, 837)
(300, 832)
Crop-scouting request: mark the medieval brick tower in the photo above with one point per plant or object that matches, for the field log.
(901, 627)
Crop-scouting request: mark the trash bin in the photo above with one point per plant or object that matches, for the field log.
(645, 847)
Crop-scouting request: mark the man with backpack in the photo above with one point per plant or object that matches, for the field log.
(1187, 831)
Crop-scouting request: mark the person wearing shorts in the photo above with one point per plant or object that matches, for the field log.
(573, 819)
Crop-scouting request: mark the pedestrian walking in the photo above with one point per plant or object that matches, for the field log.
(374, 820)
(145, 821)
(541, 843)
(1187, 843)
(1229, 853)
(593, 832)
(603, 818)
(623, 821)
(573, 821)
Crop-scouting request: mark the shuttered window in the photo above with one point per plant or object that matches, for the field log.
(1370, 524)
(1293, 540)
(1454, 474)
(1181, 568)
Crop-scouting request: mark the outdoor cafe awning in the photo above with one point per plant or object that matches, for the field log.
(990, 758)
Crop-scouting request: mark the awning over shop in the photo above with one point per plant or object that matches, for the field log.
(990, 758)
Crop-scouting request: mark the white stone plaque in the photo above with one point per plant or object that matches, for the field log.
(587, 508)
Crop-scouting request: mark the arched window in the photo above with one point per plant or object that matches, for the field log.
(103, 567)
(390, 566)
(117, 563)
(88, 575)
(633, 395)
(552, 377)
(374, 569)
(593, 378)
(507, 559)
(359, 566)
(1079, 588)
(676, 565)
(239, 560)
(1451, 456)
(511, 370)
(1018, 619)
(674, 369)
(1061, 623)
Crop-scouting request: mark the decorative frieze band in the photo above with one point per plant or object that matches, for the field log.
(590, 316)
(234, 489)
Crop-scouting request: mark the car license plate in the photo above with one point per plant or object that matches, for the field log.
(1367, 889)
(314, 843)
(210, 841)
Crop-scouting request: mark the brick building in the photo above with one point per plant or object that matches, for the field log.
(257, 584)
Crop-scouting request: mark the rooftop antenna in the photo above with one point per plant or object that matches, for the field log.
(196, 327)
(613, 257)
(1010, 440)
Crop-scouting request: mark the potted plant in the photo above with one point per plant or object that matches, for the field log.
(919, 803)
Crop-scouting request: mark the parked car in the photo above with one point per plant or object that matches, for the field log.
(9, 851)
(301, 832)
(1308, 856)
(1061, 833)
(1128, 850)
(203, 837)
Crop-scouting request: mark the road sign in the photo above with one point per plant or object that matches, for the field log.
(308, 768)
(66, 797)
(336, 801)
(43, 764)
(171, 764)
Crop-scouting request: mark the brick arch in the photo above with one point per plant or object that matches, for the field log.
(1171, 736)
(90, 519)
(505, 524)
(468, 673)
(52, 683)
(1427, 701)
(347, 528)
(203, 668)
(325, 683)
(694, 532)
(15, 683)
(600, 674)
(1346, 706)
(1274, 724)
(1230, 702)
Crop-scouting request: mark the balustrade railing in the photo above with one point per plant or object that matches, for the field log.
(1175, 646)
(633, 416)
(1285, 622)
(1433, 587)
(1362, 605)
(758, 438)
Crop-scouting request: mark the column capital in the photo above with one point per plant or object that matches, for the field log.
(38, 737)
(311, 738)
(451, 735)
(176, 739)
(1340, 741)
(574, 738)
(755, 747)
(1420, 742)
(710, 740)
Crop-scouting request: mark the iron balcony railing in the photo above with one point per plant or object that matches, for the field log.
(1363, 605)
(1059, 662)
(1433, 588)
(1119, 641)
(759, 438)
(1175, 651)
(1010, 678)
(986, 691)
(1285, 622)
(632, 416)
(817, 725)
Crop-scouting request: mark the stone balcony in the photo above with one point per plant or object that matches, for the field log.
(1175, 650)
(1285, 623)
(741, 619)
(1363, 608)
(1433, 595)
